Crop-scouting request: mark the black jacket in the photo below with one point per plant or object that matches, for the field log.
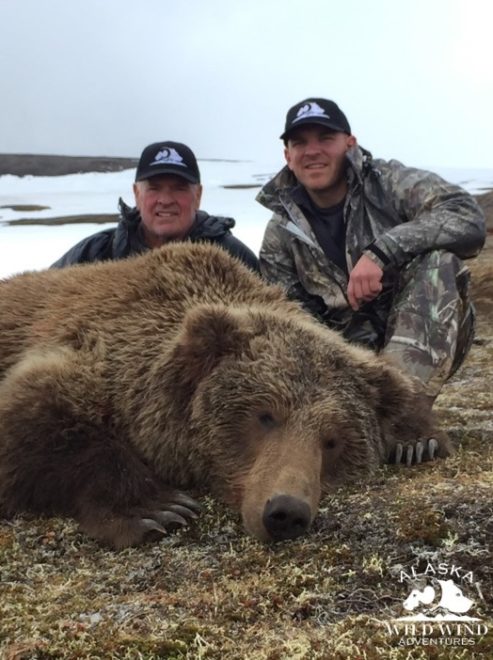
(125, 239)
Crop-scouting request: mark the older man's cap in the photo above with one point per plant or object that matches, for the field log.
(168, 158)
(316, 111)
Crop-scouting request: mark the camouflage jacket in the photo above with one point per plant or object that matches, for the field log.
(399, 211)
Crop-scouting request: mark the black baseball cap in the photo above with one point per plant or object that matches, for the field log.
(316, 111)
(168, 158)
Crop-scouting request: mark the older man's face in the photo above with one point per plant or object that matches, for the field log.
(167, 205)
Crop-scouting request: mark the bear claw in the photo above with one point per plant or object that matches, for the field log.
(423, 450)
(149, 525)
(162, 522)
(419, 451)
(182, 511)
(432, 448)
(168, 519)
(187, 502)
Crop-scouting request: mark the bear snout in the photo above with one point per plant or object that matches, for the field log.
(286, 517)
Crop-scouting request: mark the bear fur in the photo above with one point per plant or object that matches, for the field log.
(122, 383)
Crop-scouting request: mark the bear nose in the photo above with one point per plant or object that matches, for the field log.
(286, 517)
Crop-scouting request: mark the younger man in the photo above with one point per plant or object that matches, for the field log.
(372, 247)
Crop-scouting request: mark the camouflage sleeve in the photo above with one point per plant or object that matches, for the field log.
(275, 258)
(277, 266)
(437, 215)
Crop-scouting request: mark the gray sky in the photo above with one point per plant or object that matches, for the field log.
(106, 77)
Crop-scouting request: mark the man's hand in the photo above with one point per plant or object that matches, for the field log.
(365, 282)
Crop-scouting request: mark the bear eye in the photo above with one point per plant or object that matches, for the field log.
(329, 443)
(267, 420)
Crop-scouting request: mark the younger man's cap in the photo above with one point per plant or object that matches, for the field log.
(316, 111)
(168, 158)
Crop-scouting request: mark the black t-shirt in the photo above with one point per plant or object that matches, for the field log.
(327, 224)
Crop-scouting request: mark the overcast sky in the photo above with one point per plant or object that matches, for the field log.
(106, 77)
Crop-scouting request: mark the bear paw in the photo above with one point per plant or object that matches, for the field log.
(423, 450)
(144, 524)
(157, 523)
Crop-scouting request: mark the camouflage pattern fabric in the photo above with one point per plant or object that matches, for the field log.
(407, 214)
(430, 326)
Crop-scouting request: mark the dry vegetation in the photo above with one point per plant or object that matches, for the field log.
(210, 592)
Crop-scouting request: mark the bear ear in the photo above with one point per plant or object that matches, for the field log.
(393, 391)
(402, 405)
(209, 333)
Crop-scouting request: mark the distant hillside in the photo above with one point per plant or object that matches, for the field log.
(44, 165)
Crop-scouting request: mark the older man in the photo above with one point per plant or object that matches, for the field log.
(167, 194)
(372, 247)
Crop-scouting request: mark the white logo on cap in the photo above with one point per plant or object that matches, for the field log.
(311, 109)
(168, 156)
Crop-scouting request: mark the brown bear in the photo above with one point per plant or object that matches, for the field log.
(121, 382)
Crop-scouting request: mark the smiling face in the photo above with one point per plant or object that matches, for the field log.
(167, 204)
(317, 157)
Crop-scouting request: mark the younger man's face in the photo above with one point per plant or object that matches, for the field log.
(317, 157)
